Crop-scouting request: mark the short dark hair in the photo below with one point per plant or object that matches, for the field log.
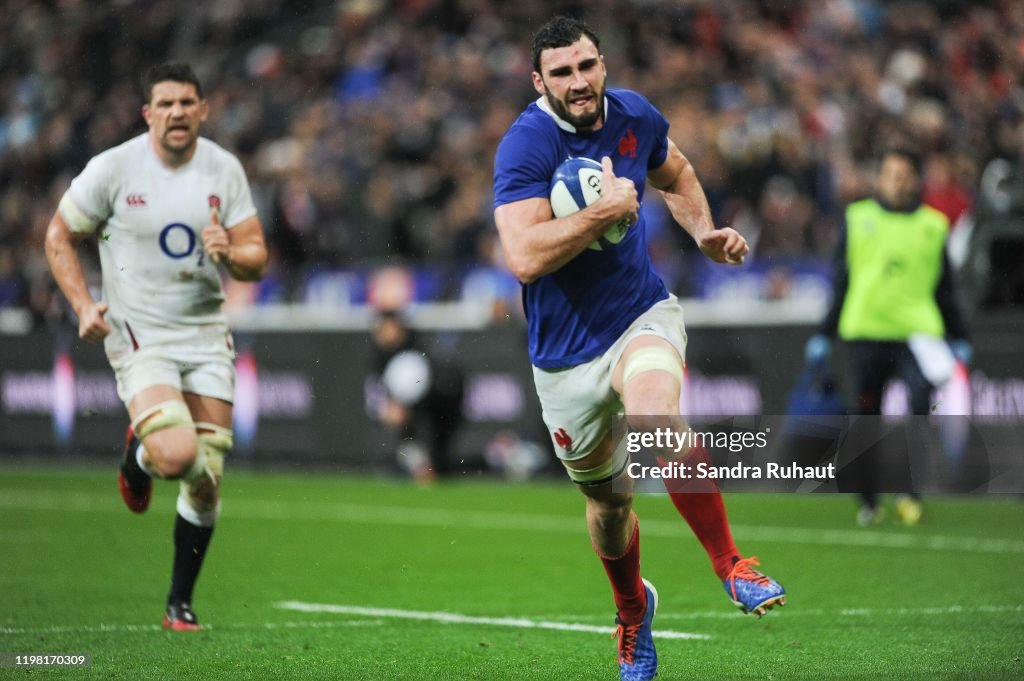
(179, 72)
(908, 154)
(560, 32)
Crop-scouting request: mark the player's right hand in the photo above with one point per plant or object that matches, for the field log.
(92, 326)
(620, 191)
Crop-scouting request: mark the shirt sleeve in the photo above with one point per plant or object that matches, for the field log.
(949, 304)
(238, 205)
(523, 166)
(89, 200)
(659, 150)
(840, 283)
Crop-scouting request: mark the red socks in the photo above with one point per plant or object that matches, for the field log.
(702, 507)
(627, 586)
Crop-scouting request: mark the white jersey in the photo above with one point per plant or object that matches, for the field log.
(157, 279)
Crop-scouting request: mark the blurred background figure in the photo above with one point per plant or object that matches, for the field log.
(995, 246)
(417, 398)
(894, 305)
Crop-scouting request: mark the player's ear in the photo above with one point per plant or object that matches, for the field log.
(147, 114)
(538, 84)
(204, 109)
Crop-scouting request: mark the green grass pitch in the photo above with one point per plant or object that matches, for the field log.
(450, 582)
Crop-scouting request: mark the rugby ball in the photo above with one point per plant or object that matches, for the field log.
(407, 377)
(575, 185)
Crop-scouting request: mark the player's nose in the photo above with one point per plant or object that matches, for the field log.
(578, 82)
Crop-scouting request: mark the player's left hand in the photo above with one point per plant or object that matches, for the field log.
(215, 239)
(725, 246)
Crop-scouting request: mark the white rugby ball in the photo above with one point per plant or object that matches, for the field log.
(407, 377)
(575, 185)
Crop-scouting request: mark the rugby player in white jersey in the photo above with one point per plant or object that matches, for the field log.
(171, 210)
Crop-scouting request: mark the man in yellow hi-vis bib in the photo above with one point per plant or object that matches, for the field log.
(894, 304)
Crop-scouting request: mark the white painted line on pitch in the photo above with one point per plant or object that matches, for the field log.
(790, 612)
(455, 618)
(408, 516)
(131, 628)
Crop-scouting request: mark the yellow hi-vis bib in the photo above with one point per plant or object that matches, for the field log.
(894, 261)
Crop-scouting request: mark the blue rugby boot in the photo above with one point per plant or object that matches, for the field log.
(751, 590)
(638, 661)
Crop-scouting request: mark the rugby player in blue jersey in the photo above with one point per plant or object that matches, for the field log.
(604, 333)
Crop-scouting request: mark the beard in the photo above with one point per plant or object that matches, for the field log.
(585, 120)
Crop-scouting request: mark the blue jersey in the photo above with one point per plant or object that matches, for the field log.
(577, 312)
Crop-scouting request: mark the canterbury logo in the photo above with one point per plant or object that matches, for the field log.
(136, 200)
(563, 440)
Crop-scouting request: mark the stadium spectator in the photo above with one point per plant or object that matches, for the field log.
(893, 291)
(170, 208)
(995, 247)
(943, 190)
(604, 333)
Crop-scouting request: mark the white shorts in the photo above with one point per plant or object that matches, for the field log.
(206, 368)
(579, 404)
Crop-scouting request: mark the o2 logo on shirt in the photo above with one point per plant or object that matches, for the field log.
(177, 241)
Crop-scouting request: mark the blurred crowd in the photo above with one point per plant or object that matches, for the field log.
(368, 127)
